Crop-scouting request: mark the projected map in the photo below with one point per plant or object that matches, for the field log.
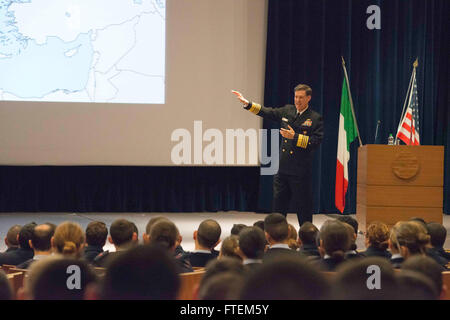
(82, 50)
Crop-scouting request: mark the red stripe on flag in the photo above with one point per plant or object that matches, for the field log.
(341, 187)
(402, 137)
(408, 115)
(406, 126)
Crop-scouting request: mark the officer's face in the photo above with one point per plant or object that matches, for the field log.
(301, 100)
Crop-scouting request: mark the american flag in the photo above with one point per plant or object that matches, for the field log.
(409, 129)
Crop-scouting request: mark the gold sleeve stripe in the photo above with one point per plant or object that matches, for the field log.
(302, 141)
(255, 108)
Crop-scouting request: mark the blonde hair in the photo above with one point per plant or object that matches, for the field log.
(410, 235)
(292, 238)
(377, 234)
(68, 238)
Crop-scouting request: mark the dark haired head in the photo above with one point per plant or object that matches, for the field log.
(252, 242)
(208, 233)
(308, 233)
(259, 224)
(237, 228)
(96, 233)
(223, 286)
(121, 232)
(286, 278)
(11, 236)
(351, 221)
(49, 279)
(41, 237)
(437, 233)
(142, 273)
(414, 285)
(164, 233)
(276, 226)
(152, 221)
(335, 239)
(25, 234)
(426, 266)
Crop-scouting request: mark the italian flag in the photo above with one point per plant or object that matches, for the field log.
(347, 134)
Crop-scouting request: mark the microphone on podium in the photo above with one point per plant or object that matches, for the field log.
(376, 131)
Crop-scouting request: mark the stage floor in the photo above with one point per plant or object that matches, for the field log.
(186, 222)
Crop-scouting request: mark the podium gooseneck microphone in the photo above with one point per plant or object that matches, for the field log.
(376, 131)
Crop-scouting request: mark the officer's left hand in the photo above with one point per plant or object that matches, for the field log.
(288, 134)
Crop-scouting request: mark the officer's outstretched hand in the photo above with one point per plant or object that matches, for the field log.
(241, 98)
(288, 134)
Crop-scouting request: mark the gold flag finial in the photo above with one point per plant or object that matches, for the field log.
(416, 63)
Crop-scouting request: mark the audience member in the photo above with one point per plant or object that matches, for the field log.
(24, 253)
(438, 234)
(287, 278)
(11, 241)
(41, 244)
(217, 267)
(237, 228)
(407, 238)
(353, 282)
(178, 250)
(164, 234)
(251, 245)
(292, 238)
(122, 234)
(334, 242)
(276, 232)
(307, 240)
(96, 234)
(377, 240)
(68, 239)
(58, 278)
(145, 272)
(430, 268)
(259, 224)
(206, 238)
(224, 286)
(351, 253)
(229, 247)
(6, 292)
(415, 286)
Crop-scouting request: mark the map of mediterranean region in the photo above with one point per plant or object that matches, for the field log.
(82, 51)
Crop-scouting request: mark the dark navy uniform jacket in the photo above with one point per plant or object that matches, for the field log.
(296, 155)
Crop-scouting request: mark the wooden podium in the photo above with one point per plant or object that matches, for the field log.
(396, 183)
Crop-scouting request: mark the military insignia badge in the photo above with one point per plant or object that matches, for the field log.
(307, 123)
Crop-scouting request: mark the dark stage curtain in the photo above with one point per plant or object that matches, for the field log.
(127, 189)
(305, 42)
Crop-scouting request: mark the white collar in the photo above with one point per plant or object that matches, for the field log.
(248, 261)
(396, 256)
(300, 113)
(279, 245)
(201, 251)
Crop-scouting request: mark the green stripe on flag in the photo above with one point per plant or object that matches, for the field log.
(346, 111)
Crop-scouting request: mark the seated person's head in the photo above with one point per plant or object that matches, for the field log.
(219, 266)
(354, 224)
(237, 228)
(287, 278)
(12, 236)
(58, 278)
(122, 233)
(354, 277)
(229, 247)
(224, 286)
(428, 267)
(377, 235)
(96, 233)
(437, 233)
(259, 224)
(308, 234)
(351, 235)
(6, 292)
(68, 239)
(408, 238)
(292, 237)
(208, 234)
(276, 228)
(41, 238)
(144, 272)
(334, 240)
(419, 220)
(25, 234)
(252, 243)
(164, 233)
(149, 226)
(413, 285)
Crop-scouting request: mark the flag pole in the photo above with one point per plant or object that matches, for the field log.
(408, 93)
(351, 100)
